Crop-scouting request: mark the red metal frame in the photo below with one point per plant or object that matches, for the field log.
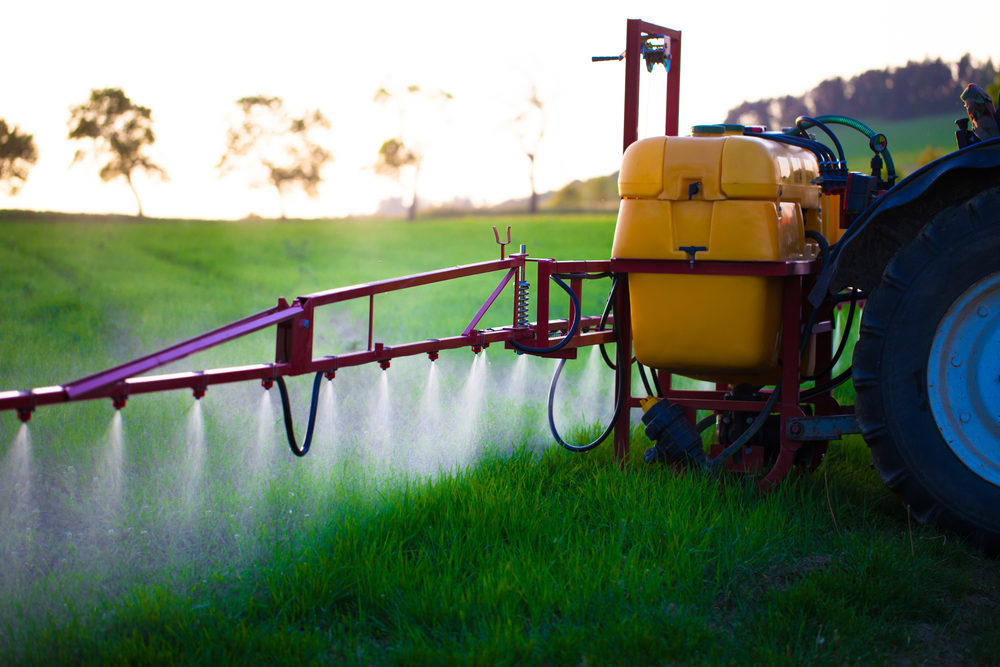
(294, 338)
(635, 33)
(294, 322)
(793, 275)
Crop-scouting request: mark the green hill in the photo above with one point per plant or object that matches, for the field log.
(908, 139)
(910, 142)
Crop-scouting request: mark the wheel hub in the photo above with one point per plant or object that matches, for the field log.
(963, 378)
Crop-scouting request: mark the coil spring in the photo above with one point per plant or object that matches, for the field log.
(522, 302)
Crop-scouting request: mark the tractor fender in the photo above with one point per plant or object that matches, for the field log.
(895, 218)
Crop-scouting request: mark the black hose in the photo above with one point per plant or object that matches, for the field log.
(572, 330)
(843, 340)
(645, 381)
(715, 465)
(705, 423)
(620, 400)
(286, 408)
(824, 245)
(656, 382)
(604, 321)
(827, 386)
(583, 276)
(619, 403)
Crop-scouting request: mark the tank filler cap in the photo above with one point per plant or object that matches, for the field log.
(708, 130)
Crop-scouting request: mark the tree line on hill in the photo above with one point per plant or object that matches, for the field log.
(914, 90)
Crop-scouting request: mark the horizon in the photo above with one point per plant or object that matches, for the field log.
(338, 59)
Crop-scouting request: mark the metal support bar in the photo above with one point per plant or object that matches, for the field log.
(829, 427)
(393, 284)
(623, 360)
(542, 303)
(791, 355)
(489, 301)
(94, 383)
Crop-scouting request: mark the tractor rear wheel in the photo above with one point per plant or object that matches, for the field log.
(927, 372)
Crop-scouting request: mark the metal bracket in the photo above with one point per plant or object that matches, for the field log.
(831, 427)
(503, 245)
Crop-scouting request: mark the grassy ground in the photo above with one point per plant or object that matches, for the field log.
(514, 552)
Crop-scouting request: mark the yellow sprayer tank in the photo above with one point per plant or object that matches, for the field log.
(742, 198)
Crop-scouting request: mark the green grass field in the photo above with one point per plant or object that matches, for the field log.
(418, 532)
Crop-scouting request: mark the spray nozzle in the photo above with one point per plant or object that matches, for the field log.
(119, 401)
(24, 414)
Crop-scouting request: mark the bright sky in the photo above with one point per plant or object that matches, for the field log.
(189, 61)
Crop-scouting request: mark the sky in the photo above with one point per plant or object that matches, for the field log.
(190, 61)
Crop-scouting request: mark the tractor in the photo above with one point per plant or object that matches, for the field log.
(734, 249)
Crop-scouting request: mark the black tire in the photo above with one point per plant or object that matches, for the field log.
(933, 443)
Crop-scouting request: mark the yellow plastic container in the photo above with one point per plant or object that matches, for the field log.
(739, 197)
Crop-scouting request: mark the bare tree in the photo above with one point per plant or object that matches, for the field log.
(393, 157)
(17, 153)
(281, 147)
(531, 130)
(118, 129)
(403, 155)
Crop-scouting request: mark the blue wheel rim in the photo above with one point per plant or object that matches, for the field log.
(963, 378)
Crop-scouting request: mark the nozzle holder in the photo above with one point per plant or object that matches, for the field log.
(382, 355)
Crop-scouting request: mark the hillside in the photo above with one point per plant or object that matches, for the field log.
(910, 142)
(913, 91)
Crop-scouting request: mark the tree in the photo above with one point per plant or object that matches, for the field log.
(119, 129)
(393, 157)
(531, 129)
(17, 153)
(284, 148)
(749, 113)
(402, 154)
(829, 97)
